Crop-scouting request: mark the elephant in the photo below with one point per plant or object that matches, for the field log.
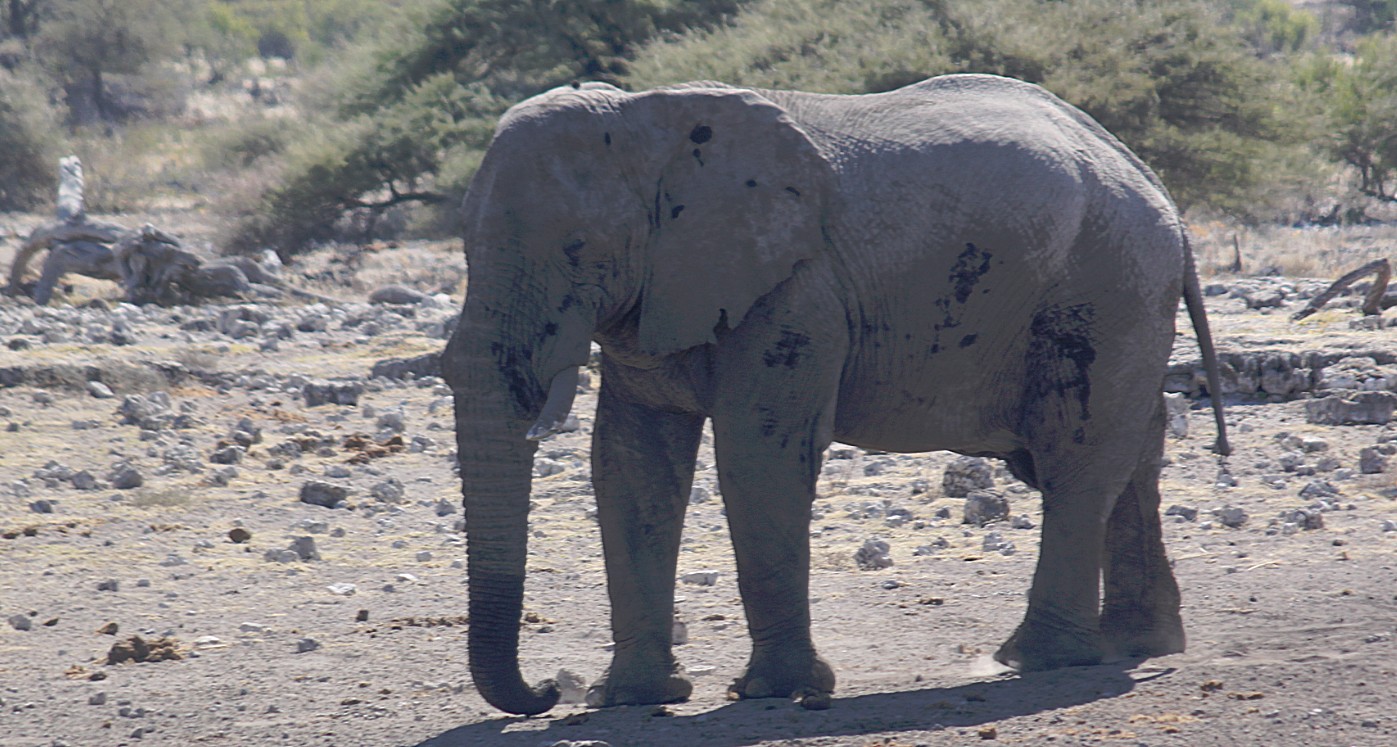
(967, 263)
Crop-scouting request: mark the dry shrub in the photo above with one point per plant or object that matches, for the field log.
(165, 498)
(29, 145)
(140, 167)
(1311, 252)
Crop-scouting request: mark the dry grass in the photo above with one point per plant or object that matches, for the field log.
(1292, 252)
(164, 498)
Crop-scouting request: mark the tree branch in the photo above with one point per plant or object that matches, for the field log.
(1372, 303)
(397, 198)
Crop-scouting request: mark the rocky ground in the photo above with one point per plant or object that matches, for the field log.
(236, 525)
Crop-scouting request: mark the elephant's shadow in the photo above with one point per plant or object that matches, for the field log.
(746, 722)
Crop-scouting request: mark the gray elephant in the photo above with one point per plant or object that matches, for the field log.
(967, 263)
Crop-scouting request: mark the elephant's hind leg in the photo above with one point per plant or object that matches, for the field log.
(642, 470)
(1140, 613)
(1087, 422)
(1061, 626)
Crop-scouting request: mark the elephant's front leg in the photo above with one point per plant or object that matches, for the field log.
(642, 471)
(768, 460)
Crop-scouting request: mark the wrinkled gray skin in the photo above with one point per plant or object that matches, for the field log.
(966, 263)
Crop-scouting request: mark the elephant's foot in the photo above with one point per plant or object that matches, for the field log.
(1132, 633)
(783, 675)
(1037, 646)
(639, 686)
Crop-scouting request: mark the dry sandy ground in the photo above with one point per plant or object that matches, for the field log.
(1290, 630)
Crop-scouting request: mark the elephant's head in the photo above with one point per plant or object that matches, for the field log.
(663, 216)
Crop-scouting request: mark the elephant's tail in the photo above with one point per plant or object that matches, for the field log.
(1193, 300)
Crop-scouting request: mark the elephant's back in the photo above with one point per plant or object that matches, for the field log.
(969, 127)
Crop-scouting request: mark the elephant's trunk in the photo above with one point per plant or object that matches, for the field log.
(496, 463)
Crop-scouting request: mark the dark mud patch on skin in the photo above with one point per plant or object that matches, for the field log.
(787, 351)
(1061, 350)
(970, 266)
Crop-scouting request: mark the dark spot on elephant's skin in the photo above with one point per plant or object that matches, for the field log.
(949, 321)
(568, 302)
(1061, 353)
(698, 156)
(787, 350)
(934, 349)
(970, 266)
(968, 340)
(606, 137)
(550, 329)
(908, 396)
(574, 251)
(675, 211)
(512, 364)
(767, 420)
(751, 182)
(701, 134)
(1079, 436)
(793, 191)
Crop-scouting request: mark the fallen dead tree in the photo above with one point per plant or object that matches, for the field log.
(151, 265)
(74, 243)
(1373, 303)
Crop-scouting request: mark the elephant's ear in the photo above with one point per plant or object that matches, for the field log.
(738, 201)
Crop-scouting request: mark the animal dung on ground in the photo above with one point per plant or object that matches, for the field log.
(138, 649)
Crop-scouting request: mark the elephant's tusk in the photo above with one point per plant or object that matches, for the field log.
(556, 408)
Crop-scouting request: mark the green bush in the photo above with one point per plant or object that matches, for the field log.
(1171, 79)
(85, 42)
(307, 31)
(1360, 100)
(247, 141)
(1367, 16)
(414, 111)
(370, 163)
(29, 145)
(825, 46)
(1203, 91)
(1275, 27)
